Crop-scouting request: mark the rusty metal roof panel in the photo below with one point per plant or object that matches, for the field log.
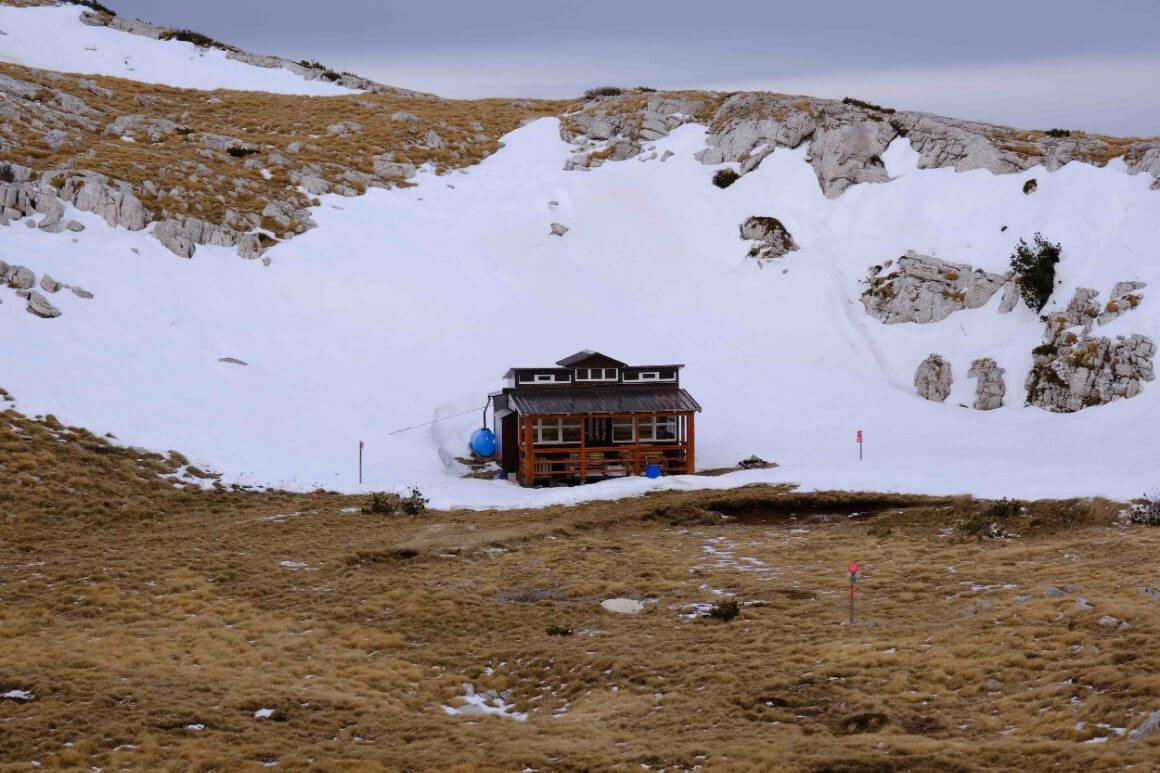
(597, 400)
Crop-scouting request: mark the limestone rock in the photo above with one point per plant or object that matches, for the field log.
(925, 289)
(849, 153)
(111, 199)
(344, 128)
(19, 277)
(386, 166)
(74, 226)
(154, 129)
(314, 185)
(1072, 371)
(559, 229)
(771, 237)
(622, 606)
(933, 378)
(80, 292)
(1010, 297)
(1053, 592)
(990, 388)
(48, 284)
(171, 234)
(1124, 299)
(39, 305)
(1146, 728)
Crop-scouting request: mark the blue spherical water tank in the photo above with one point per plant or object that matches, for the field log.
(652, 471)
(483, 442)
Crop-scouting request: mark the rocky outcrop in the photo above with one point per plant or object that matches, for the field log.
(846, 138)
(1081, 371)
(933, 379)
(1124, 298)
(140, 126)
(182, 235)
(771, 238)
(990, 387)
(17, 277)
(112, 200)
(1073, 369)
(926, 289)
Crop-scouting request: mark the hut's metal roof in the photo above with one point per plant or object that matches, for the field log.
(586, 400)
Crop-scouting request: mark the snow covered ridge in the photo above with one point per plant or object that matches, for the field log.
(845, 139)
(439, 279)
(95, 42)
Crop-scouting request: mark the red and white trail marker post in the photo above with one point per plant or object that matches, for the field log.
(852, 570)
(360, 450)
(859, 444)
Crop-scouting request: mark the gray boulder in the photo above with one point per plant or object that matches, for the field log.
(926, 289)
(990, 388)
(1053, 592)
(1146, 728)
(48, 284)
(932, 379)
(559, 229)
(39, 305)
(386, 166)
(19, 277)
(171, 233)
(772, 239)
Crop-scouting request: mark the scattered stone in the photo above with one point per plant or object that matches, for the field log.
(990, 389)
(1072, 587)
(993, 685)
(1107, 621)
(933, 379)
(19, 277)
(771, 238)
(1083, 606)
(1152, 593)
(80, 292)
(559, 229)
(925, 289)
(622, 606)
(75, 226)
(344, 128)
(39, 305)
(1053, 592)
(386, 166)
(968, 612)
(48, 284)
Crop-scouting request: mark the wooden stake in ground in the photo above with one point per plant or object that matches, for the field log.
(360, 450)
(852, 569)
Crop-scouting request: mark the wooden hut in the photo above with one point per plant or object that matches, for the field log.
(592, 416)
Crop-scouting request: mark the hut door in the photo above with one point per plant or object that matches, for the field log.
(509, 443)
(599, 432)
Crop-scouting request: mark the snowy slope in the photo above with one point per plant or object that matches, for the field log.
(407, 305)
(54, 38)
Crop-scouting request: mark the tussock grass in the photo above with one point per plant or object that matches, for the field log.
(136, 610)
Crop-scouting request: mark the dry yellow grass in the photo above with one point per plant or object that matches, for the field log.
(151, 622)
(205, 183)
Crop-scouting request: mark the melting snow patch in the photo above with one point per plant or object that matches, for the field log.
(293, 566)
(196, 727)
(487, 702)
(17, 695)
(263, 713)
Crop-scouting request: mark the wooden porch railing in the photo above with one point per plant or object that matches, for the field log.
(608, 461)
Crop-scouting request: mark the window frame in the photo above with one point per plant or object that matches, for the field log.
(650, 376)
(545, 378)
(655, 422)
(556, 426)
(603, 374)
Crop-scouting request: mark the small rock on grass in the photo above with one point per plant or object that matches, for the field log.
(622, 606)
(1147, 728)
(1053, 592)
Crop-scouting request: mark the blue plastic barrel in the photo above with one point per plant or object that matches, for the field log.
(652, 471)
(483, 442)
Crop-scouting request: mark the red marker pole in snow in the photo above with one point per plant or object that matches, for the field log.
(859, 445)
(852, 570)
(360, 450)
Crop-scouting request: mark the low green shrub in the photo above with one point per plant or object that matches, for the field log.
(189, 36)
(603, 91)
(391, 503)
(1034, 268)
(240, 152)
(723, 178)
(559, 630)
(724, 610)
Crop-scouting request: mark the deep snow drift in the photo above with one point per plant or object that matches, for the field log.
(407, 305)
(54, 38)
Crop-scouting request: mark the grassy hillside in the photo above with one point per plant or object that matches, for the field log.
(160, 625)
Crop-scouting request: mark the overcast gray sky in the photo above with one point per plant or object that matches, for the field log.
(1029, 63)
